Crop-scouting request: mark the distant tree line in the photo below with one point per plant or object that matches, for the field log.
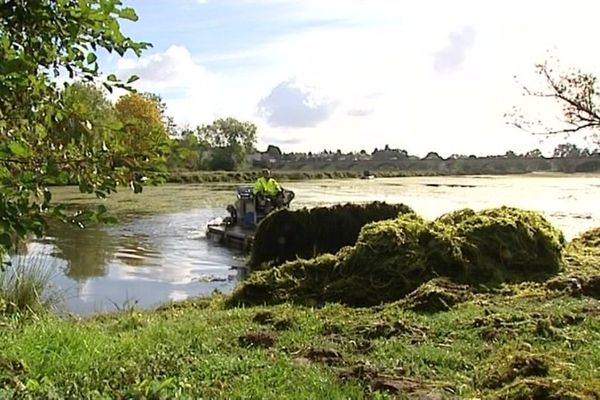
(274, 154)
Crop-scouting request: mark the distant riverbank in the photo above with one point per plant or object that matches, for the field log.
(303, 170)
(287, 175)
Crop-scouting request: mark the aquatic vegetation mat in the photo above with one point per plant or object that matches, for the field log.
(286, 235)
(496, 245)
(590, 238)
(393, 257)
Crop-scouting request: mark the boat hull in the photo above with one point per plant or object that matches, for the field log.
(232, 236)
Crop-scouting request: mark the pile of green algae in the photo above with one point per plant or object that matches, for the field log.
(393, 257)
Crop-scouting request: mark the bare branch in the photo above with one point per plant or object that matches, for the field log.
(575, 91)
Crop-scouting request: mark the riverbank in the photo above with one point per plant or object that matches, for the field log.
(526, 341)
(340, 169)
(531, 340)
(283, 175)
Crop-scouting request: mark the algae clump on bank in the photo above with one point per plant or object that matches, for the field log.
(286, 235)
(581, 275)
(393, 257)
(496, 245)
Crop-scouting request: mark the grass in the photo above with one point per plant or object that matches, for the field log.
(25, 286)
(520, 339)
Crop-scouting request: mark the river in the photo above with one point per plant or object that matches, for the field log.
(159, 252)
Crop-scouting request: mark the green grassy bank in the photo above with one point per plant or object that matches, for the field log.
(526, 341)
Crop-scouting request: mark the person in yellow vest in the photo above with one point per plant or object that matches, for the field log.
(266, 185)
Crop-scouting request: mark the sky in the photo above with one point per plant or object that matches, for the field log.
(427, 75)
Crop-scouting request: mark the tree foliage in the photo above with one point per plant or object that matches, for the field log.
(535, 153)
(45, 134)
(89, 118)
(144, 132)
(569, 150)
(578, 95)
(186, 152)
(233, 140)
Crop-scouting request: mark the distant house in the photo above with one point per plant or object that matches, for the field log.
(363, 157)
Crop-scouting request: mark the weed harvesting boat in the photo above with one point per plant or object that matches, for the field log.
(237, 229)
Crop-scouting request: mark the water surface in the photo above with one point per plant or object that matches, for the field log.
(159, 251)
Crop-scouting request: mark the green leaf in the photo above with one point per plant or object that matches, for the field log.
(47, 196)
(62, 178)
(84, 187)
(41, 120)
(5, 240)
(128, 13)
(18, 149)
(132, 79)
(114, 125)
(91, 58)
(136, 186)
(107, 87)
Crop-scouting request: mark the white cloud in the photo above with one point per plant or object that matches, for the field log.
(386, 65)
(360, 112)
(451, 58)
(193, 94)
(291, 105)
(171, 71)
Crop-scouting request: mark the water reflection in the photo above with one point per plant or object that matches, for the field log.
(143, 262)
(135, 250)
(87, 252)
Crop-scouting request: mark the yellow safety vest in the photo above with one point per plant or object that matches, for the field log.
(268, 186)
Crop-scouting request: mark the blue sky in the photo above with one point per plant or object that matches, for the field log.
(427, 75)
